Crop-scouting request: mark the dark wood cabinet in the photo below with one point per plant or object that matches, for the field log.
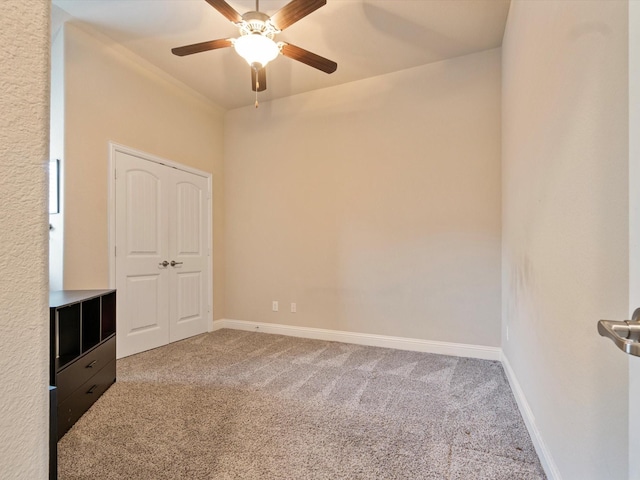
(83, 350)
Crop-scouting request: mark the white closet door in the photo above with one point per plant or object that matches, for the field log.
(161, 254)
(141, 247)
(188, 249)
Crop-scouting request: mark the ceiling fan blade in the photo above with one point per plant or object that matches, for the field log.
(294, 11)
(311, 59)
(225, 9)
(202, 47)
(262, 80)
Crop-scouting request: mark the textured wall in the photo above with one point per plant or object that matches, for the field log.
(375, 205)
(565, 225)
(112, 95)
(24, 143)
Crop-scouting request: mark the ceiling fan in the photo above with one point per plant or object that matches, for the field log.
(256, 44)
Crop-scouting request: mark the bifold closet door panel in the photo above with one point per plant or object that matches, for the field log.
(188, 247)
(142, 281)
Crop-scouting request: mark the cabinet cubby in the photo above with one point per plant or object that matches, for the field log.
(108, 326)
(68, 334)
(91, 311)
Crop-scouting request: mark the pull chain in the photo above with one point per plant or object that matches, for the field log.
(257, 83)
(255, 69)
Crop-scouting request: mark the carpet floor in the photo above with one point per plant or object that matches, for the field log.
(245, 405)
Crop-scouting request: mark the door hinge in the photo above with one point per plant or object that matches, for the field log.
(115, 173)
(115, 251)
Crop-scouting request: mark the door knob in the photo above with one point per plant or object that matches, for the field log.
(174, 263)
(625, 334)
(163, 264)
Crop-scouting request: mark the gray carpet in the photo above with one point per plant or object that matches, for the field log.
(244, 405)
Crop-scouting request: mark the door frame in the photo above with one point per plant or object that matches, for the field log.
(634, 229)
(114, 148)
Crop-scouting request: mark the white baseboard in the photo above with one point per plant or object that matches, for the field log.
(401, 343)
(546, 460)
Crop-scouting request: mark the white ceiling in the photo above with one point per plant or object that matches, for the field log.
(365, 37)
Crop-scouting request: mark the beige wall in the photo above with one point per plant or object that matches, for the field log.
(110, 95)
(24, 329)
(375, 205)
(565, 225)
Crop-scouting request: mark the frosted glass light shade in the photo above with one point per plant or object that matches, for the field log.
(256, 48)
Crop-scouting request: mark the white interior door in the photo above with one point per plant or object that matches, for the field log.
(188, 249)
(142, 244)
(162, 253)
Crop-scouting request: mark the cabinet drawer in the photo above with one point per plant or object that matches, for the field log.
(81, 370)
(71, 409)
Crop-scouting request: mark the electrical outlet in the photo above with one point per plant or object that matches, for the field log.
(293, 308)
(274, 305)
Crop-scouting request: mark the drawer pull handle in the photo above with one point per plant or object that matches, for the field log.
(92, 389)
(91, 364)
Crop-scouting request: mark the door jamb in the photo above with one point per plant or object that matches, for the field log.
(634, 226)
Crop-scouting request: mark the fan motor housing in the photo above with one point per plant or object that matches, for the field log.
(257, 23)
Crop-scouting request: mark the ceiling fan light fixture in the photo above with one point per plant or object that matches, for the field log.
(256, 49)
(256, 42)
